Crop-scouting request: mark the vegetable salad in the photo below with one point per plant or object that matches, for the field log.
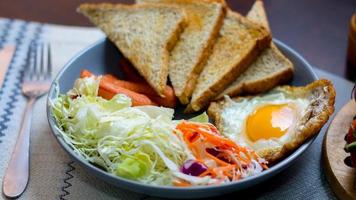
(145, 144)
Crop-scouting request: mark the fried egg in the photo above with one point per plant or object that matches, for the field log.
(277, 122)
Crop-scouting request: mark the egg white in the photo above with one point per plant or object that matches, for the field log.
(234, 117)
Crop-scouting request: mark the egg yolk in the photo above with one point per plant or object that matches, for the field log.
(270, 121)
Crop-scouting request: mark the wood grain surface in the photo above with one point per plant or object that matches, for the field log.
(341, 177)
(317, 29)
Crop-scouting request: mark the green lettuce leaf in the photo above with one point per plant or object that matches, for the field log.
(135, 166)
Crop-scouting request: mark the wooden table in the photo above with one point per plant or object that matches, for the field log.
(315, 28)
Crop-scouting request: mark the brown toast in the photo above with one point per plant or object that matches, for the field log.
(188, 57)
(144, 34)
(270, 69)
(238, 44)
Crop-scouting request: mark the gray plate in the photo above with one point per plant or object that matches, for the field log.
(103, 57)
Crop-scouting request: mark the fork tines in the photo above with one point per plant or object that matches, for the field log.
(39, 63)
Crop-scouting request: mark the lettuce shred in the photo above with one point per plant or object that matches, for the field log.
(132, 142)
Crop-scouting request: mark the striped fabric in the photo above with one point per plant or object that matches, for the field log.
(19, 33)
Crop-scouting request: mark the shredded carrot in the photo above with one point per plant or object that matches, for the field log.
(223, 163)
(85, 73)
(225, 171)
(181, 183)
(214, 138)
(207, 173)
(196, 134)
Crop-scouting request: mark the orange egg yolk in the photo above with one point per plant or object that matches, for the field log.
(270, 121)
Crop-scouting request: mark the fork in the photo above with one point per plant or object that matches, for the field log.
(36, 82)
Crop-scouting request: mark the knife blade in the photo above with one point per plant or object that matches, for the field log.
(6, 55)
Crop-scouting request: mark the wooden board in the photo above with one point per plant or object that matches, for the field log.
(341, 177)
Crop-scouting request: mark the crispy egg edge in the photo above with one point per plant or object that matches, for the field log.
(313, 121)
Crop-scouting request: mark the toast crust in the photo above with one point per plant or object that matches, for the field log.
(264, 83)
(107, 6)
(243, 85)
(201, 101)
(184, 83)
(160, 84)
(258, 14)
(205, 52)
(180, 1)
(313, 120)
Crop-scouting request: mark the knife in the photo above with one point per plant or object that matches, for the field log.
(6, 55)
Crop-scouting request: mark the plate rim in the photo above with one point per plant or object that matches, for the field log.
(107, 177)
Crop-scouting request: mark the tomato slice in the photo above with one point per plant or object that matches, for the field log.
(350, 139)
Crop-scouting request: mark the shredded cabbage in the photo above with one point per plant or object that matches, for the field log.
(202, 118)
(140, 143)
(133, 142)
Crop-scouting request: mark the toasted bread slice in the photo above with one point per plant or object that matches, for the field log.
(238, 44)
(257, 14)
(144, 34)
(318, 104)
(189, 55)
(271, 68)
